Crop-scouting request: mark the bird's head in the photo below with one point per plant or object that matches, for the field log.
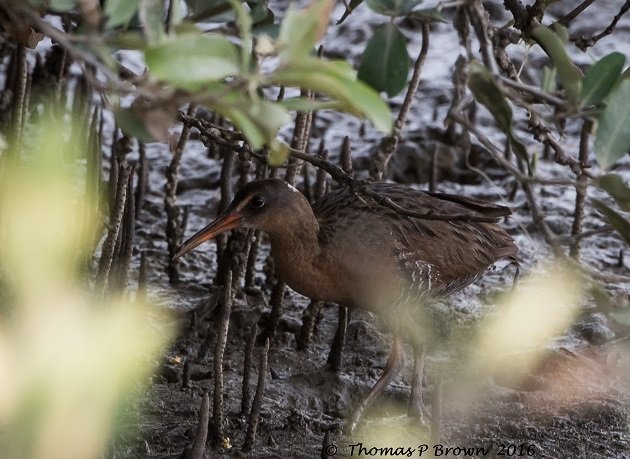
(267, 205)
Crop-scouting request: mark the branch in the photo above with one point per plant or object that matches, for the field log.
(586, 42)
(571, 15)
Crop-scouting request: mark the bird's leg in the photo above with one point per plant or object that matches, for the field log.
(392, 368)
(416, 404)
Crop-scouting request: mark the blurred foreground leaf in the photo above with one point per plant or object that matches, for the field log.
(385, 61)
(151, 13)
(192, 60)
(513, 340)
(301, 30)
(68, 361)
(337, 80)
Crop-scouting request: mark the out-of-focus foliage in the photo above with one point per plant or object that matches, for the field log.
(218, 72)
(512, 342)
(69, 362)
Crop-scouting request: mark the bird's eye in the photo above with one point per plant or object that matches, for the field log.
(257, 202)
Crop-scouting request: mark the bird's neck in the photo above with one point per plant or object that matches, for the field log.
(297, 242)
(297, 254)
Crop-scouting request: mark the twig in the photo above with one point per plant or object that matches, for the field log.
(141, 293)
(326, 446)
(170, 200)
(320, 180)
(345, 156)
(380, 159)
(225, 243)
(219, 351)
(127, 233)
(247, 369)
(436, 412)
(575, 12)
(199, 443)
(143, 178)
(186, 378)
(309, 318)
(300, 132)
(335, 356)
(277, 295)
(254, 415)
(19, 98)
(586, 42)
(580, 190)
(107, 253)
(535, 92)
(498, 156)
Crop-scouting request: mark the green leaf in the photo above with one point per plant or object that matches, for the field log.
(490, 95)
(259, 120)
(192, 60)
(62, 5)
(385, 61)
(301, 30)
(615, 186)
(612, 139)
(618, 221)
(601, 78)
(337, 80)
(120, 12)
(151, 13)
(392, 7)
(569, 75)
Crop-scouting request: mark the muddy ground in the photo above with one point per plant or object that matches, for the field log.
(575, 404)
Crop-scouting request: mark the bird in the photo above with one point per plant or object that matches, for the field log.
(348, 248)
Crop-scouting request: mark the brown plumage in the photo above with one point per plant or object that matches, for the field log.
(352, 251)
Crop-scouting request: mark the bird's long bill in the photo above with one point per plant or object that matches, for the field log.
(224, 222)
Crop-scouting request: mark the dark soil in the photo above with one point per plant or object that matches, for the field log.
(575, 404)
